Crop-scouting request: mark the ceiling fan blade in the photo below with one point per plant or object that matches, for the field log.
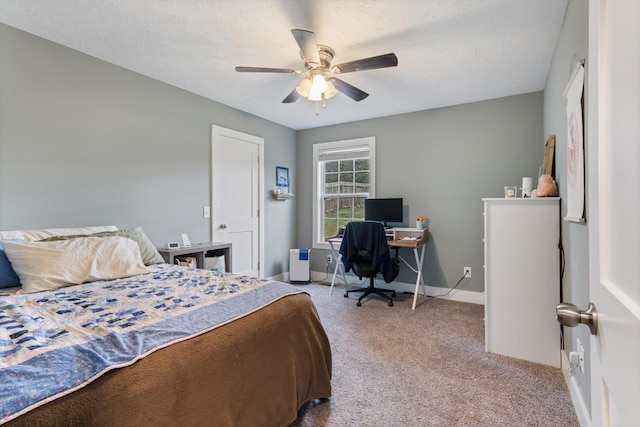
(380, 61)
(292, 97)
(308, 46)
(265, 70)
(349, 90)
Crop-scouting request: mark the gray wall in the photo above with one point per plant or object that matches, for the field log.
(573, 40)
(84, 142)
(442, 162)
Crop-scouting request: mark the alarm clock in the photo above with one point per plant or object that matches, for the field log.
(173, 245)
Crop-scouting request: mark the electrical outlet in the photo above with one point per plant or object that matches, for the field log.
(467, 272)
(329, 259)
(580, 356)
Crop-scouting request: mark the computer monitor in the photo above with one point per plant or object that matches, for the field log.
(383, 210)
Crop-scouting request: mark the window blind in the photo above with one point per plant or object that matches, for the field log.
(357, 152)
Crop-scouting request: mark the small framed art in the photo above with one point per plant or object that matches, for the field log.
(282, 178)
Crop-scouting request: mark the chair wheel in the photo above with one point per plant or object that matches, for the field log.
(346, 295)
(359, 304)
(390, 303)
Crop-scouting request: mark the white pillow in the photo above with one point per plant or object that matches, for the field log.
(44, 266)
(43, 233)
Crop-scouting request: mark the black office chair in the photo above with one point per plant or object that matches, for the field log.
(364, 248)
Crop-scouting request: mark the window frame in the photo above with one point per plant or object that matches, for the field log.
(322, 147)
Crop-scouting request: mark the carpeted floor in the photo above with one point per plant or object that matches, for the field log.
(396, 367)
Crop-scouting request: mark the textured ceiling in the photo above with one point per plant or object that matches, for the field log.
(449, 51)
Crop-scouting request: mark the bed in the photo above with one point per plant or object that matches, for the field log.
(160, 345)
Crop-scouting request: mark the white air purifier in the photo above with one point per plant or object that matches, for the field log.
(299, 265)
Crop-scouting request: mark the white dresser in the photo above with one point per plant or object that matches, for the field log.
(522, 278)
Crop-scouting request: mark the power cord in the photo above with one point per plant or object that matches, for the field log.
(326, 272)
(450, 289)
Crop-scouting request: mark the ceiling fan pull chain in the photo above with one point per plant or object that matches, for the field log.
(317, 112)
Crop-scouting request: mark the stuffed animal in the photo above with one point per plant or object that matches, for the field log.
(546, 187)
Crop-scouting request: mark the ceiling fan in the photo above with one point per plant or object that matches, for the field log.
(320, 84)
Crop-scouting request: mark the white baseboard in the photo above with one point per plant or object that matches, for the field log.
(455, 295)
(584, 417)
(284, 277)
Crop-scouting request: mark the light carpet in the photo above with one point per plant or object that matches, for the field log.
(396, 367)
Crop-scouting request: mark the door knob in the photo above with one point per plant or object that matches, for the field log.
(570, 315)
(223, 226)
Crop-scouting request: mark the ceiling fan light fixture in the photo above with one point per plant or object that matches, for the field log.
(319, 83)
(304, 87)
(316, 88)
(314, 95)
(331, 90)
(321, 88)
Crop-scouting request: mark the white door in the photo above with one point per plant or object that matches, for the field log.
(613, 124)
(236, 202)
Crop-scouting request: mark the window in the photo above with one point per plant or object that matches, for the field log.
(344, 176)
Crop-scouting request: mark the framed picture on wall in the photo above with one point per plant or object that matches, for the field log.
(282, 178)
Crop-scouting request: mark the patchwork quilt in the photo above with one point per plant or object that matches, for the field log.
(52, 343)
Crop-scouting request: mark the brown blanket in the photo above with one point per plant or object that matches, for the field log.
(255, 371)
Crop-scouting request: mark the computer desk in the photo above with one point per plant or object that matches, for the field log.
(410, 238)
